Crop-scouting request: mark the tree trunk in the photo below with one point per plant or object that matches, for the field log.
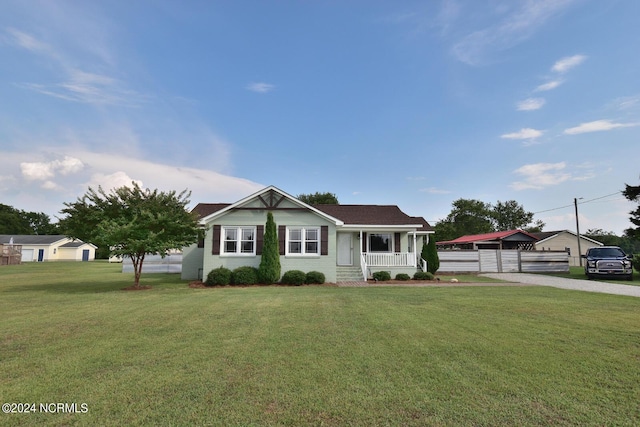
(137, 269)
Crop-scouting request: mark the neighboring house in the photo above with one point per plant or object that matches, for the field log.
(345, 242)
(511, 239)
(50, 247)
(565, 240)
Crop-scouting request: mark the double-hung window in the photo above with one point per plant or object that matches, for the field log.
(303, 241)
(239, 240)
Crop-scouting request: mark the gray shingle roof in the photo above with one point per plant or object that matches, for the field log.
(24, 239)
(348, 214)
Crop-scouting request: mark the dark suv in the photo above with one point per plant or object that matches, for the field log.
(607, 261)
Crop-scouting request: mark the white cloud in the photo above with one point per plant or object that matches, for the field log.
(434, 190)
(50, 185)
(530, 104)
(26, 41)
(115, 180)
(68, 165)
(260, 87)
(540, 175)
(565, 64)
(525, 133)
(515, 28)
(597, 126)
(549, 86)
(41, 171)
(36, 171)
(79, 85)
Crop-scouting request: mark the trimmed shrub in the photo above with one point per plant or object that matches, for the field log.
(293, 277)
(314, 278)
(431, 253)
(403, 276)
(269, 270)
(245, 276)
(636, 262)
(381, 276)
(219, 276)
(423, 275)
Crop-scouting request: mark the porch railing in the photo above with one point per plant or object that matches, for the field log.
(363, 267)
(398, 259)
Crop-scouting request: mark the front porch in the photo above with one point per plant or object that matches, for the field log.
(374, 250)
(394, 263)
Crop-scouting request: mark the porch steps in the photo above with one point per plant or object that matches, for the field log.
(348, 274)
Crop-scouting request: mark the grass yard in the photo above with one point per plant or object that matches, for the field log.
(312, 355)
(578, 273)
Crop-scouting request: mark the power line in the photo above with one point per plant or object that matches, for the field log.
(580, 203)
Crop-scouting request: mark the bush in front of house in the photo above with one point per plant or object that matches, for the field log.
(219, 276)
(381, 276)
(269, 270)
(423, 275)
(245, 276)
(314, 278)
(403, 276)
(293, 277)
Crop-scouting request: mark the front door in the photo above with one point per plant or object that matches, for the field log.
(85, 254)
(345, 249)
(40, 255)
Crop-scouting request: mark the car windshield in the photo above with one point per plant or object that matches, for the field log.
(606, 252)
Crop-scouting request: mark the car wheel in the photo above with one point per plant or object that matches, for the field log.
(630, 277)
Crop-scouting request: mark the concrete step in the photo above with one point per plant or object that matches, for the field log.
(348, 274)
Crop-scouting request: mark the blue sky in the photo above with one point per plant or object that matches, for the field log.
(414, 103)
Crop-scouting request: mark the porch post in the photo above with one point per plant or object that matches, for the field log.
(415, 250)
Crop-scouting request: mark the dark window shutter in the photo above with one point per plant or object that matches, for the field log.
(259, 239)
(215, 249)
(282, 234)
(324, 240)
(364, 242)
(396, 238)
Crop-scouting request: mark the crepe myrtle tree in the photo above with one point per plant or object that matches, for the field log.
(132, 222)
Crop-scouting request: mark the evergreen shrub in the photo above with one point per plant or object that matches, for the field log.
(381, 276)
(219, 276)
(269, 270)
(402, 276)
(423, 275)
(245, 276)
(314, 278)
(293, 277)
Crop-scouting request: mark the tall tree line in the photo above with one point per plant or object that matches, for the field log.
(16, 221)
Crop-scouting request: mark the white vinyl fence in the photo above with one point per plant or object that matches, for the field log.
(503, 261)
(156, 264)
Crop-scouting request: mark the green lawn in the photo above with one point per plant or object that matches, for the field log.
(578, 273)
(312, 355)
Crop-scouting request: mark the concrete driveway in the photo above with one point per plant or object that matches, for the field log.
(574, 284)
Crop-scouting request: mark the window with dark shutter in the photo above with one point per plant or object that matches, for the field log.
(215, 249)
(259, 239)
(396, 239)
(282, 233)
(324, 240)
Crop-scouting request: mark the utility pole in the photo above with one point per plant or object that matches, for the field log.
(575, 203)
